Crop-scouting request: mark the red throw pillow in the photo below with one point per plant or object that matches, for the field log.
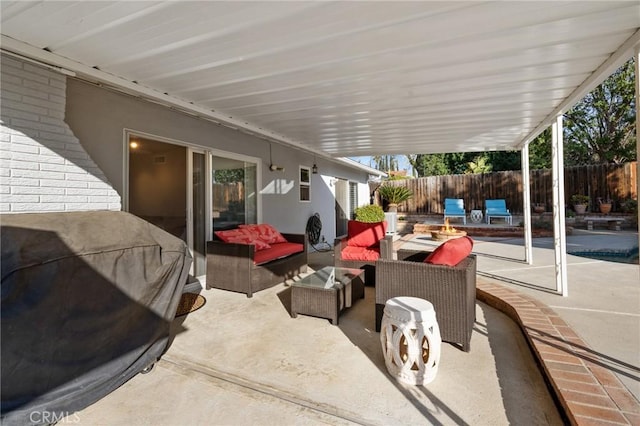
(362, 234)
(232, 233)
(266, 233)
(242, 236)
(451, 252)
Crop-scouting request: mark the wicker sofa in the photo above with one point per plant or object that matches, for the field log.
(451, 290)
(231, 266)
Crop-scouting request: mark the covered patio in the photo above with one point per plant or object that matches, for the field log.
(348, 78)
(329, 80)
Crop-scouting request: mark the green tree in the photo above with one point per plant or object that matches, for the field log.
(228, 175)
(540, 151)
(504, 160)
(478, 165)
(457, 161)
(385, 163)
(601, 127)
(429, 164)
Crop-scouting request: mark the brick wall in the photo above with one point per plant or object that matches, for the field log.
(43, 166)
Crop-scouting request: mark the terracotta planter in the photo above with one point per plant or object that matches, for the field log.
(580, 208)
(605, 208)
(392, 208)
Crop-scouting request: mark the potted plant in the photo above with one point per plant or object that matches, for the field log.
(605, 205)
(394, 195)
(538, 208)
(580, 203)
(371, 213)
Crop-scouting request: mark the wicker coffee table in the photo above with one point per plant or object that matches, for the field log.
(327, 292)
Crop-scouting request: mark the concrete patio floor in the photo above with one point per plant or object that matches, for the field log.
(241, 361)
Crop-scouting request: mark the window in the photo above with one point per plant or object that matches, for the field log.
(305, 183)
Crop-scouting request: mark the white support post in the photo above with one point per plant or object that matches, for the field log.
(637, 66)
(559, 234)
(526, 205)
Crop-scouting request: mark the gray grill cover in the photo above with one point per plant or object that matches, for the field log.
(87, 301)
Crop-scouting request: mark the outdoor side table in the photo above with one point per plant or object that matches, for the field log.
(327, 292)
(410, 339)
(475, 216)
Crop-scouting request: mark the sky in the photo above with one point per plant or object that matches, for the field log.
(403, 163)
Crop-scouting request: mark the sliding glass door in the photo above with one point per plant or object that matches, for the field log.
(189, 191)
(167, 187)
(234, 192)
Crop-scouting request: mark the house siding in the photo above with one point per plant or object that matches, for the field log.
(99, 116)
(43, 166)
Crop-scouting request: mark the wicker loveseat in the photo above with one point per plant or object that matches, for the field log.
(242, 268)
(451, 290)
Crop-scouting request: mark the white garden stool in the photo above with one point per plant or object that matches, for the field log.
(410, 339)
(475, 216)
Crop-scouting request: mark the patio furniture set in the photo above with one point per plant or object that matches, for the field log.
(445, 277)
(454, 208)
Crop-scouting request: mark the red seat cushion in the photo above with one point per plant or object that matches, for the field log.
(360, 253)
(242, 236)
(451, 252)
(362, 234)
(276, 251)
(265, 232)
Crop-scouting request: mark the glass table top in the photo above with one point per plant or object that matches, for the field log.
(329, 276)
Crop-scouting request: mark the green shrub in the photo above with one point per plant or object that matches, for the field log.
(371, 213)
(579, 199)
(629, 206)
(395, 194)
(542, 224)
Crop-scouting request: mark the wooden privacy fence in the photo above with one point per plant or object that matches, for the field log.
(226, 193)
(615, 181)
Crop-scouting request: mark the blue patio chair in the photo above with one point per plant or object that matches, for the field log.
(454, 207)
(497, 208)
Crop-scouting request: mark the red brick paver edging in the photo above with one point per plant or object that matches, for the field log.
(587, 391)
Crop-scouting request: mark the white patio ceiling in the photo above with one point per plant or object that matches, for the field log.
(342, 78)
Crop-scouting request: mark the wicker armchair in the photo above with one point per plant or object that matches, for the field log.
(451, 290)
(386, 252)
